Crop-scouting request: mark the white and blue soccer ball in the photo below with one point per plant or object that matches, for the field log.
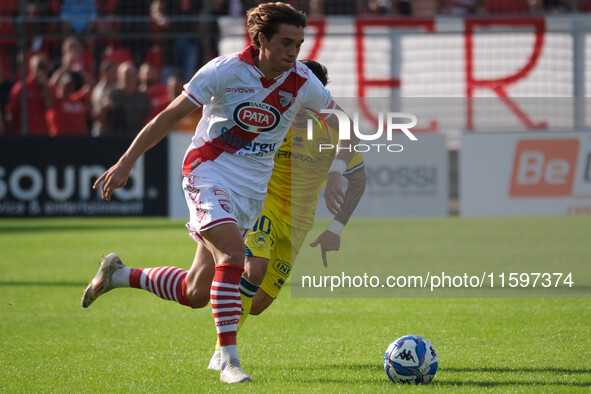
(411, 359)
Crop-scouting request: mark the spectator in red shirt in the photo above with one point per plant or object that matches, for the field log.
(71, 107)
(38, 99)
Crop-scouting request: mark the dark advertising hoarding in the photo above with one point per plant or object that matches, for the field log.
(54, 177)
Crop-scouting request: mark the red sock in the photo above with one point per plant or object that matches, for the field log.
(226, 303)
(166, 282)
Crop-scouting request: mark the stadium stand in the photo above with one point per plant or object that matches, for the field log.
(179, 36)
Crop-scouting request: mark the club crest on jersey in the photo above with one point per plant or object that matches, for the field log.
(256, 117)
(285, 98)
(226, 205)
(261, 239)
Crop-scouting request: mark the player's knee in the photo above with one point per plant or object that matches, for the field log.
(234, 255)
(197, 299)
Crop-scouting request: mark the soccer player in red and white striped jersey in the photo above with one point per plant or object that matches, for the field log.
(249, 100)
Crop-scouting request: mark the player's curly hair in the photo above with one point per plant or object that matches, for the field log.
(318, 69)
(266, 18)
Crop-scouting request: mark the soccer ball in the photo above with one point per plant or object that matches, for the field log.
(411, 359)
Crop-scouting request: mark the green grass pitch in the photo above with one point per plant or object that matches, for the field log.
(130, 340)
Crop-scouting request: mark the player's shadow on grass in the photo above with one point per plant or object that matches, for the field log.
(547, 381)
(490, 384)
(524, 369)
(364, 373)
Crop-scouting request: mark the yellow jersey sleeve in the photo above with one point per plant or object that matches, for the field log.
(299, 175)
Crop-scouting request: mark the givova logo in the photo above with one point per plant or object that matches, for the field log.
(388, 124)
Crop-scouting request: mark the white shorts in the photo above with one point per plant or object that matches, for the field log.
(211, 204)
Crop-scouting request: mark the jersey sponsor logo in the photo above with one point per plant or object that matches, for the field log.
(544, 168)
(282, 267)
(239, 146)
(239, 90)
(256, 117)
(285, 154)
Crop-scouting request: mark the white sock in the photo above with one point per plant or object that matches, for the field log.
(120, 277)
(229, 353)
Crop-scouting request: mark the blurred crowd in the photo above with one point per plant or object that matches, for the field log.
(429, 8)
(426, 8)
(106, 67)
(73, 99)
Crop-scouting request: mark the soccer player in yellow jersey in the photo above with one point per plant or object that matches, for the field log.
(298, 177)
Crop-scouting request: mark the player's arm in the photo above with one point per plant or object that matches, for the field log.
(356, 187)
(151, 134)
(330, 239)
(334, 195)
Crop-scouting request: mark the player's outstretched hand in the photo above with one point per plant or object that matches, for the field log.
(328, 242)
(333, 192)
(114, 178)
